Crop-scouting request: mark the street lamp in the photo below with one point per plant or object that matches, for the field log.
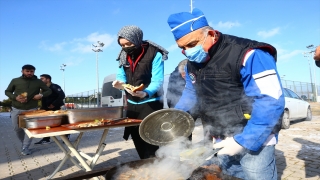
(96, 50)
(282, 79)
(305, 54)
(62, 67)
(308, 55)
(310, 46)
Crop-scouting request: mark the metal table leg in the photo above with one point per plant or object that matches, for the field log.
(73, 148)
(76, 153)
(78, 156)
(100, 148)
(67, 155)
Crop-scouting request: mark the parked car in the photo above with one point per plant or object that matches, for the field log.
(295, 108)
(304, 97)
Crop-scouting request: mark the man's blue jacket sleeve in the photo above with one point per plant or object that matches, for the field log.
(261, 81)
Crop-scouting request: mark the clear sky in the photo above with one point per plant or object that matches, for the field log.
(49, 33)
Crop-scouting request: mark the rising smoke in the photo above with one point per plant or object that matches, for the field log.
(176, 160)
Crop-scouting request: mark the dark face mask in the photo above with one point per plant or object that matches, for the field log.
(129, 50)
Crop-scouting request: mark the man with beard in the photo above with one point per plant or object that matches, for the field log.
(52, 102)
(141, 62)
(230, 78)
(24, 92)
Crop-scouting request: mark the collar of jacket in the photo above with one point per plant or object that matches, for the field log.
(215, 47)
(34, 77)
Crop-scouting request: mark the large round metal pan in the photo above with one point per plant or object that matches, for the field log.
(133, 164)
(165, 126)
(197, 174)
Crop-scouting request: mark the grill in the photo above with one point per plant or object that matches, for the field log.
(146, 169)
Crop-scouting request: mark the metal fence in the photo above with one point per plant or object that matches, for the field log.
(306, 91)
(88, 99)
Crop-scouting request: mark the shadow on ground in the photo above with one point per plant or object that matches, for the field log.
(281, 163)
(309, 153)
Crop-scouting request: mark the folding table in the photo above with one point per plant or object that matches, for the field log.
(72, 148)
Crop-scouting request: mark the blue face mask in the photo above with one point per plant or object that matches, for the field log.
(197, 54)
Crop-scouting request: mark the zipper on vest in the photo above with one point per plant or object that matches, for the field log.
(200, 74)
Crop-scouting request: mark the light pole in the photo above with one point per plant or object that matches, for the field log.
(96, 50)
(282, 79)
(308, 55)
(191, 6)
(305, 54)
(62, 67)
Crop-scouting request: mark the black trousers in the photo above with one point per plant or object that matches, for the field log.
(140, 111)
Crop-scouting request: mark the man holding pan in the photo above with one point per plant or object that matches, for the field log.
(230, 79)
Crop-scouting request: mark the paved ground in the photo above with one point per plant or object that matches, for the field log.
(298, 152)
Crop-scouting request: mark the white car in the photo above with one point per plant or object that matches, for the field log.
(295, 108)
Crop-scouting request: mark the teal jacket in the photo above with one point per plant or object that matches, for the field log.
(32, 86)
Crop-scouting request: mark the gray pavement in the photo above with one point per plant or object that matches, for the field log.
(298, 152)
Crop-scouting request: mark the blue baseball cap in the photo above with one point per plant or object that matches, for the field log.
(184, 23)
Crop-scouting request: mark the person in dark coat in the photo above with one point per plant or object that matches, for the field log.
(231, 80)
(176, 85)
(52, 102)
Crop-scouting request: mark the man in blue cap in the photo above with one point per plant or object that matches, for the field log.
(231, 79)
